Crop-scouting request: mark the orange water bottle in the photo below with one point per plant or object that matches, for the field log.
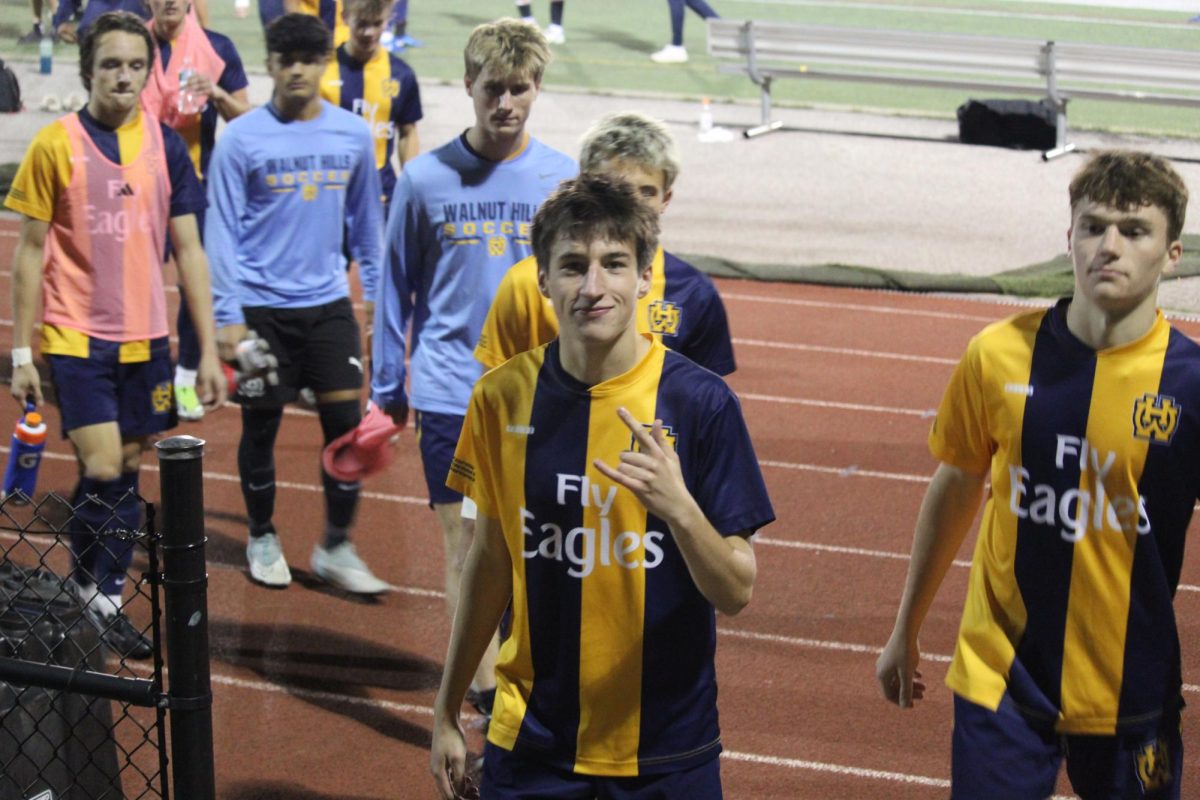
(28, 442)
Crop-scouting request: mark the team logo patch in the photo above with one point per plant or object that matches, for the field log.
(309, 192)
(497, 245)
(665, 318)
(391, 88)
(1155, 418)
(1153, 763)
(161, 398)
(668, 434)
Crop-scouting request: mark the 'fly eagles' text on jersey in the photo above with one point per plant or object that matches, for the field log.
(1094, 474)
(609, 667)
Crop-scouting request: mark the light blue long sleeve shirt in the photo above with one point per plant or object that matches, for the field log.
(457, 222)
(281, 198)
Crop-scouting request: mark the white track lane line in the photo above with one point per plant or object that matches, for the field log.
(844, 351)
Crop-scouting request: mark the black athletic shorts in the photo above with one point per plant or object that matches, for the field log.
(318, 347)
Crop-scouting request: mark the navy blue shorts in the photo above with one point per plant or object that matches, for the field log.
(437, 436)
(508, 776)
(1000, 754)
(138, 396)
(318, 347)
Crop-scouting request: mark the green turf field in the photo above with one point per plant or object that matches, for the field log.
(608, 42)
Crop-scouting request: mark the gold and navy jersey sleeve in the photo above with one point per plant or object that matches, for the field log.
(959, 435)
(43, 175)
(519, 319)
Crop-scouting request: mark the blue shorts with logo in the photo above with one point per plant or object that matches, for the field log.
(1002, 754)
(137, 395)
(437, 437)
(509, 776)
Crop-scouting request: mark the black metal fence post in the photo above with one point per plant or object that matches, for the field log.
(185, 594)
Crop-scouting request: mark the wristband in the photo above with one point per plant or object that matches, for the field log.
(22, 356)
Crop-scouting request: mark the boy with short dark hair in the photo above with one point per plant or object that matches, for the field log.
(1086, 420)
(287, 182)
(617, 489)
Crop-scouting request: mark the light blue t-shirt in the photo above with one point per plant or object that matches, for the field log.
(281, 198)
(457, 223)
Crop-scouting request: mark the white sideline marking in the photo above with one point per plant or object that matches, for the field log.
(846, 472)
(908, 312)
(844, 351)
(803, 401)
(837, 769)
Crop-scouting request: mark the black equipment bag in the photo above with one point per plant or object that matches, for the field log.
(1021, 124)
(53, 744)
(10, 89)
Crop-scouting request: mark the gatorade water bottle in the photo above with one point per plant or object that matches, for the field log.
(28, 442)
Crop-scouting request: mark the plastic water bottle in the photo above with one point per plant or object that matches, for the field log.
(241, 8)
(186, 104)
(706, 117)
(45, 54)
(28, 442)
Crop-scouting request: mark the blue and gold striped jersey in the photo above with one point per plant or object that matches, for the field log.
(608, 669)
(384, 92)
(1094, 469)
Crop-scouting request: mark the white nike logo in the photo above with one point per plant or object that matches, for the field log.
(266, 485)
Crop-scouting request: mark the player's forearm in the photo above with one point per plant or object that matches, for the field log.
(723, 567)
(409, 145)
(193, 275)
(27, 281)
(230, 105)
(486, 591)
(946, 514)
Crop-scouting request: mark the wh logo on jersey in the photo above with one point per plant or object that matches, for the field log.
(665, 318)
(1154, 766)
(668, 435)
(162, 397)
(1155, 418)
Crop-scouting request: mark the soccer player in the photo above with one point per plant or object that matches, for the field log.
(98, 192)
(285, 180)
(366, 79)
(460, 217)
(617, 489)
(1086, 420)
(554, 31)
(328, 11)
(682, 306)
(216, 88)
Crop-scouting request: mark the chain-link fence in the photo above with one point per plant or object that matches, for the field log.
(83, 711)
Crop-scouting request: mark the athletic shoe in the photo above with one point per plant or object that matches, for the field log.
(33, 37)
(408, 41)
(671, 54)
(187, 403)
(340, 566)
(267, 564)
(555, 34)
(118, 634)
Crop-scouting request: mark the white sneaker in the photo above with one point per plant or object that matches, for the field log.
(341, 567)
(555, 34)
(267, 564)
(671, 54)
